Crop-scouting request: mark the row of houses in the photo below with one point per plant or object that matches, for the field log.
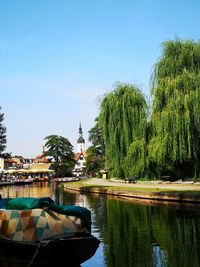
(43, 163)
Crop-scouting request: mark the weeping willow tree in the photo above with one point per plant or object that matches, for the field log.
(175, 118)
(123, 122)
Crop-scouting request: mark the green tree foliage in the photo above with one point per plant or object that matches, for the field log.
(95, 137)
(93, 163)
(123, 119)
(60, 150)
(2, 133)
(175, 118)
(95, 153)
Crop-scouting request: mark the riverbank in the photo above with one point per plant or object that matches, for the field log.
(157, 190)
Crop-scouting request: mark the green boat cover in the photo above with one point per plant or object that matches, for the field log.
(28, 203)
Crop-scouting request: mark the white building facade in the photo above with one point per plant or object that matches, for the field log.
(80, 155)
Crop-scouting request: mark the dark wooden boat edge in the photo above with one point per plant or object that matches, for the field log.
(48, 251)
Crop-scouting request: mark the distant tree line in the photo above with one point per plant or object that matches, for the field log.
(161, 138)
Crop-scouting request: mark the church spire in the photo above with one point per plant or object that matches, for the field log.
(80, 130)
(80, 141)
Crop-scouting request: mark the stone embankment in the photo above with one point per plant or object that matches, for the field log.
(187, 192)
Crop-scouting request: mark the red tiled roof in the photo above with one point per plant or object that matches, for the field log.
(10, 160)
(77, 155)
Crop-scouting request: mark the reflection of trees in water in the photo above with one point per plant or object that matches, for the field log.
(141, 235)
(38, 189)
(97, 206)
(68, 198)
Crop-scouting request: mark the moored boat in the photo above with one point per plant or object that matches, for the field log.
(39, 232)
(7, 182)
(21, 181)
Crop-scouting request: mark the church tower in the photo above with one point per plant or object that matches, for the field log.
(80, 141)
(80, 155)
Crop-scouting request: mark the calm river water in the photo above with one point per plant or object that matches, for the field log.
(132, 234)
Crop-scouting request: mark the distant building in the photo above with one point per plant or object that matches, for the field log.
(1, 164)
(38, 167)
(41, 158)
(10, 163)
(80, 155)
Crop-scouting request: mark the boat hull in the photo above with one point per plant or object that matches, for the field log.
(72, 251)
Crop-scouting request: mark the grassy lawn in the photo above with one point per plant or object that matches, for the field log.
(82, 184)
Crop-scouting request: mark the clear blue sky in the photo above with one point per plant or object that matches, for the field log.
(57, 57)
